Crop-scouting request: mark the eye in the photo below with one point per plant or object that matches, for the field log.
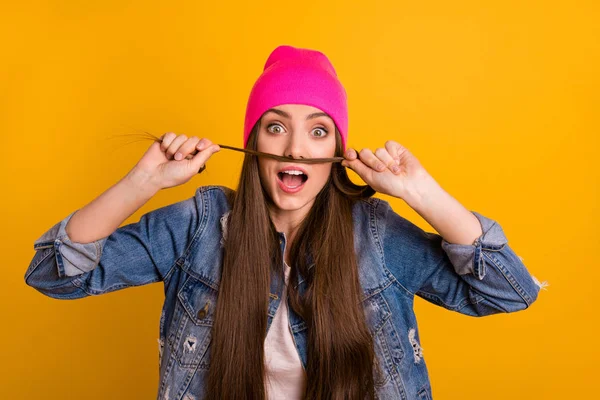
(276, 128)
(322, 132)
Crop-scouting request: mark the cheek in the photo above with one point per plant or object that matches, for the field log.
(265, 144)
(322, 173)
(261, 143)
(264, 165)
(329, 152)
(261, 168)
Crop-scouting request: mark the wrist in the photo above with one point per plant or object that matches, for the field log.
(422, 195)
(142, 180)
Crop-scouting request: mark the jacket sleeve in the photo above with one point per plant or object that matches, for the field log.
(479, 279)
(135, 254)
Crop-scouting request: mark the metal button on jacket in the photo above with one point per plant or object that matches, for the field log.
(202, 313)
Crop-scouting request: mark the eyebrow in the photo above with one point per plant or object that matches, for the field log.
(288, 116)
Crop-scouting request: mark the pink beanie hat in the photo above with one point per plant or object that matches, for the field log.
(298, 76)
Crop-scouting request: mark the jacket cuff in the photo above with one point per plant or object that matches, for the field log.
(468, 258)
(72, 258)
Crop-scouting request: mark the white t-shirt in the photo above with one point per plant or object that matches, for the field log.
(285, 376)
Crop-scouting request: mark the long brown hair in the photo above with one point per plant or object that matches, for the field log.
(340, 353)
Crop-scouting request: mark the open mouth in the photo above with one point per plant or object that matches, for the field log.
(292, 179)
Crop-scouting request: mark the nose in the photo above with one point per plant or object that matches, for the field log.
(294, 147)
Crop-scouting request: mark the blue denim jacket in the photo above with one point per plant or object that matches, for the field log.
(181, 245)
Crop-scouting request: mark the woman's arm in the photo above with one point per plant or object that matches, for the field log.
(469, 266)
(106, 213)
(450, 218)
(483, 278)
(136, 254)
(88, 254)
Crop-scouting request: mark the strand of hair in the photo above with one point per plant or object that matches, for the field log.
(148, 135)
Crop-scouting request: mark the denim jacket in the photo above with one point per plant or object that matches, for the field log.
(182, 245)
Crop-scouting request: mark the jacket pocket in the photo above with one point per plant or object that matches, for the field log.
(197, 305)
(388, 348)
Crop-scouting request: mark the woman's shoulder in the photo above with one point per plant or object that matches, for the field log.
(379, 217)
(217, 194)
(219, 188)
(368, 207)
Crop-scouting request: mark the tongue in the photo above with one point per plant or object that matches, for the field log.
(292, 180)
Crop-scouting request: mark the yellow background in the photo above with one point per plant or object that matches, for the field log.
(499, 101)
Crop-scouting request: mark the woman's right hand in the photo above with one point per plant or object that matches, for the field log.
(166, 170)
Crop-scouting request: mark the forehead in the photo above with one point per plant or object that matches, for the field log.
(298, 108)
(296, 111)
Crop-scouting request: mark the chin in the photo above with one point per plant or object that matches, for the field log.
(286, 202)
(293, 205)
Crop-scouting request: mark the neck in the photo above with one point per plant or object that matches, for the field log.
(287, 222)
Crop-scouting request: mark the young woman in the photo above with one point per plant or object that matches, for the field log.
(299, 284)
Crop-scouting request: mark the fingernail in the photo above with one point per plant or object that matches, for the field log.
(178, 156)
(395, 168)
(380, 166)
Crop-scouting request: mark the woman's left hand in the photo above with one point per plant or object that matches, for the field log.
(392, 170)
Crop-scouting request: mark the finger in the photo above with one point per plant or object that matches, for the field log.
(363, 170)
(174, 146)
(167, 139)
(186, 148)
(350, 154)
(199, 160)
(204, 143)
(395, 149)
(368, 158)
(386, 158)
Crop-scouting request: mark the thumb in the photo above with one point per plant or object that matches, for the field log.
(198, 162)
(357, 166)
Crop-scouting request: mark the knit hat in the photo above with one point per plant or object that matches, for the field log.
(298, 76)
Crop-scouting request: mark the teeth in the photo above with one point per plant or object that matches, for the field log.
(293, 172)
